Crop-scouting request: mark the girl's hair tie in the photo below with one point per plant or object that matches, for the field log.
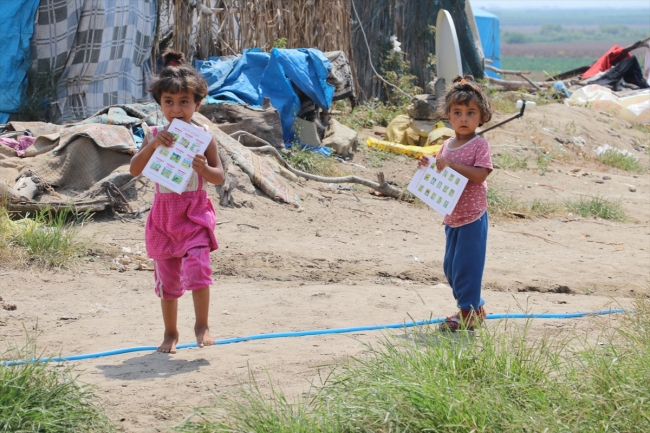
(462, 80)
(173, 63)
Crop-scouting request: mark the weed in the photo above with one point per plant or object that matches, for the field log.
(368, 115)
(543, 159)
(504, 379)
(571, 128)
(376, 157)
(397, 70)
(48, 236)
(641, 127)
(36, 398)
(545, 208)
(511, 160)
(311, 162)
(624, 161)
(501, 204)
(587, 206)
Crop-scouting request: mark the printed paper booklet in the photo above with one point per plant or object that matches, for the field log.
(171, 167)
(440, 191)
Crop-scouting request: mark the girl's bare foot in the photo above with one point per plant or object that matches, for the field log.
(203, 337)
(169, 343)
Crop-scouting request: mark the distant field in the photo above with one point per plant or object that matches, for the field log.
(573, 17)
(537, 28)
(571, 49)
(552, 65)
(553, 58)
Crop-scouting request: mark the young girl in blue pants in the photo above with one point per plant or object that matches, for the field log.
(466, 107)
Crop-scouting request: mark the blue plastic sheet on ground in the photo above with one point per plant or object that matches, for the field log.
(488, 29)
(16, 29)
(321, 150)
(251, 77)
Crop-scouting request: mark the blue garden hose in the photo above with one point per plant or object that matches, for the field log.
(306, 333)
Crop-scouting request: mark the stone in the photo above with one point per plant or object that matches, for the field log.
(263, 122)
(423, 108)
(632, 189)
(607, 178)
(339, 137)
(306, 131)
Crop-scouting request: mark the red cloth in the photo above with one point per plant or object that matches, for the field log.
(611, 57)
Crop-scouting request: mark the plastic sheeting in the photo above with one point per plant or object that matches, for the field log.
(250, 78)
(16, 29)
(633, 108)
(488, 29)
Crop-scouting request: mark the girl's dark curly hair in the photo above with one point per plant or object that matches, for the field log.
(176, 76)
(464, 90)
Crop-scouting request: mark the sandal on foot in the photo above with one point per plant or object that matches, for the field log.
(464, 320)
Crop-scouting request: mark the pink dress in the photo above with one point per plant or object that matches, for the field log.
(472, 204)
(180, 222)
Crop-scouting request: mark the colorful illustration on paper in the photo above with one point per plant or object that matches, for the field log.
(170, 166)
(439, 190)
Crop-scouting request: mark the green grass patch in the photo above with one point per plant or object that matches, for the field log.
(621, 160)
(511, 160)
(502, 204)
(552, 65)
(376, 158)
(311, 162)
(368, 115)
(545, 208)
(45, 236)
(596, 206)
(35, 397)
(505, 379)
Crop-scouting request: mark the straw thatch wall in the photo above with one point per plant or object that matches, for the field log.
(227, 27)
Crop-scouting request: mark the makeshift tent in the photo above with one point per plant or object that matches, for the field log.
(488, 29)
(249, 78)
(101, 50)
(16, 30)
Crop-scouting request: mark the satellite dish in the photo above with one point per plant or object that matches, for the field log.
(448, 64)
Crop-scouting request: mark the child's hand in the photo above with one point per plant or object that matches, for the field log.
(441, 163)
(200, 163)
(163, 138)
(423, 161)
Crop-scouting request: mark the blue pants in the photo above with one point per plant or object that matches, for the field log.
(465, 260)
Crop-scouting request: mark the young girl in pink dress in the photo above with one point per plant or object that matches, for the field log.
(179, 234)
(467, 107)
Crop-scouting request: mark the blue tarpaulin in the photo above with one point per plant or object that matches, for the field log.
(16, 29)
(488, 29)
(249, 78)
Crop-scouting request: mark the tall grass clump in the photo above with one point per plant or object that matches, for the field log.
(34, 397)
(501, 204)
(505, 379)
(311, 162)
(624, 161)
(45, 236)
(596, 206)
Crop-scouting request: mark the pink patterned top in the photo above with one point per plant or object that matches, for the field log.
(473, 202)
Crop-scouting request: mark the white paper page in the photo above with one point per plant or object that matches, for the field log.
(171, 167)
(440, 191)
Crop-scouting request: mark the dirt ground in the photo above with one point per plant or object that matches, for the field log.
(346, 258)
